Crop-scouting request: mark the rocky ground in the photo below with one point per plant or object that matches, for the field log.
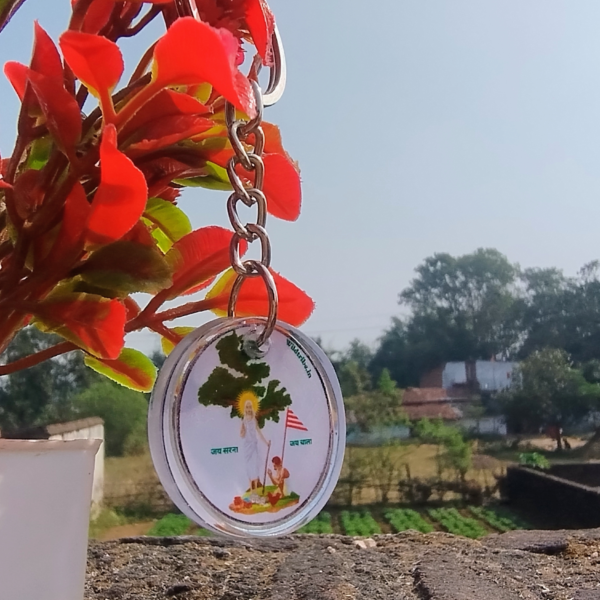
(545, 565)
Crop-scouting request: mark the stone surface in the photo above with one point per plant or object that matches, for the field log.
(527, 565)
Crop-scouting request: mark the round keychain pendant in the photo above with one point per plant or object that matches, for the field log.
(247, 442)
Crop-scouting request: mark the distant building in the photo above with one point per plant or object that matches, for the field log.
(471, 376)
(429, 403)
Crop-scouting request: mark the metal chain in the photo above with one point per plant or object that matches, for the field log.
(240, 132)
(250, 160)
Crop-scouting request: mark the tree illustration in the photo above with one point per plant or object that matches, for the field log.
(241, 374)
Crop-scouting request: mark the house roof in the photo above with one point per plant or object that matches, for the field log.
(430, 403)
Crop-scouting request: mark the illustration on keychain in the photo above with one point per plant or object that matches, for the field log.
(254, 404)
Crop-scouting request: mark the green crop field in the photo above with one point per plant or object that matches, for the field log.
(453, 522)
(403, 519)
(322, 524)
(361, 523)
(473, 521)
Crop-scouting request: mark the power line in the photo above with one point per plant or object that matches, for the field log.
(343, 329)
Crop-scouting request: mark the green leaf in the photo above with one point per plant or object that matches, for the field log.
(132, 369)
(127, 267)
(215, 179)
(168, 223)
(39, 152)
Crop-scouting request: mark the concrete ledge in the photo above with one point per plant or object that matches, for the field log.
(527, 565)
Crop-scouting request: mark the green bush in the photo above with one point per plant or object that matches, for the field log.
(534, 459)
(136, 442)
(124, 413)
(107, 519)
(170, 525)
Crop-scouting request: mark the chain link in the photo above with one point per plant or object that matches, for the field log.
(251, 161)
(248, 156)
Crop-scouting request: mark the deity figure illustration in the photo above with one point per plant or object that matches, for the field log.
(251, 434)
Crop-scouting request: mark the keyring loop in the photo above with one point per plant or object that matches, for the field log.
(278, 76)
(271, 291)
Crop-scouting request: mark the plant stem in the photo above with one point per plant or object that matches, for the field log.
(187, 309)
(145, 20)
(8, 12)
(37, 358)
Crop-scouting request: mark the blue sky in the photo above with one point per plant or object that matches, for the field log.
(420, 127)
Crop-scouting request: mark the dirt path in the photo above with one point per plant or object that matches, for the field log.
(134, 529)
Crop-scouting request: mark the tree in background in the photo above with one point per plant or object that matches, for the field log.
(562, 312)
(381, 407)
(41, 394)
(352, 368)
(462, 308)
(124, 413)
(548, 391)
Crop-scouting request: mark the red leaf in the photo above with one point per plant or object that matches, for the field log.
(261, 24)
(282, 187)
(95, 324)
(16, 73)
(46, 59)
(77, 212)
(121, 196)
(63, 115)
(96, 61)
(199, 257)
(181, 59)
(140, 235)
(29, 193)
(273, 142)
(168, 131)
(69, 242)
(97, 15)
(165, 104)
(295, 306)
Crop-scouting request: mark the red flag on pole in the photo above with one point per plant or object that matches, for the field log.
(293, 422)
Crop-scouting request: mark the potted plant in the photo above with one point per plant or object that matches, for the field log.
(88, 197)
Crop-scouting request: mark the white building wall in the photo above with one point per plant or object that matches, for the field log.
(485, 425)
(494, 376)
(454, 373)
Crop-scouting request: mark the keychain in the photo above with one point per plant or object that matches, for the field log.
(246, 421)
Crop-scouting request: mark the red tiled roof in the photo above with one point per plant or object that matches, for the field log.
(430, 403)
(421, 395)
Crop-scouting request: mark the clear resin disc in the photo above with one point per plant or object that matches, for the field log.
(247, 443)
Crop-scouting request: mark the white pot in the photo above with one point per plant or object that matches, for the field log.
(45, 497)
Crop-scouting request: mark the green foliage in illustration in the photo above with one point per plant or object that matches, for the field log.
(243, 374)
